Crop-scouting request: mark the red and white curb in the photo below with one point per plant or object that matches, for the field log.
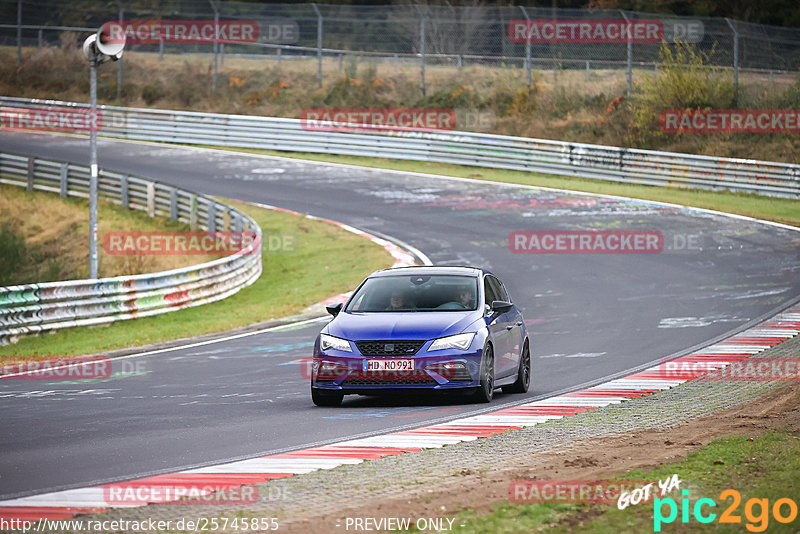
(163, 489)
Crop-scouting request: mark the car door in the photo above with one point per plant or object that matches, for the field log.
(513, 326)
(499, 329)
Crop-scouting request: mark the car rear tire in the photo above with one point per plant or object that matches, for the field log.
(326, 398)
(486, 390)
(523, 374)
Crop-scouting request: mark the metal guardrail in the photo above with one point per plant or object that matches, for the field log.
(599, 162)
(33, 308)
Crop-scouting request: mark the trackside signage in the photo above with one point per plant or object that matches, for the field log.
(730, 121)
(586, 242)
(50, 120)
(181, 31)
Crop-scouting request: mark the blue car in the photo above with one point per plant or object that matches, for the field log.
(423, 328)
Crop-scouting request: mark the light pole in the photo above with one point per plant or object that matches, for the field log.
(97, 48)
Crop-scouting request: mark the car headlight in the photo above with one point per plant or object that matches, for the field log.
(458, 341)
(329, 342)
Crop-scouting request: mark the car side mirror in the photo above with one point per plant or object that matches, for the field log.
(335, 309)
(501, 306)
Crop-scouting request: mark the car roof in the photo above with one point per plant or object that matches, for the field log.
(461, 270)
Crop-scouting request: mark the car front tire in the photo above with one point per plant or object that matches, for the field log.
(486, 390)
(322, 397)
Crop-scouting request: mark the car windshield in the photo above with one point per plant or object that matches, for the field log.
(417, 293)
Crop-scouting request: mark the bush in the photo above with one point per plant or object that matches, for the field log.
(683, 81)
(153, 92)
(12, 254)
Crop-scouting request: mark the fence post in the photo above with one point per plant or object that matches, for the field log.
(630, 56)
(31, 164)
(216, 44)
(39, 43)
(319, 45)
(19, 33)
(421, 48)
(735, 61)
(528, 74)
(63, 179)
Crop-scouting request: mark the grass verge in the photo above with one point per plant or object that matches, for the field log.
(765, 467)
(51, 238)
(782, 210)
(325, 261)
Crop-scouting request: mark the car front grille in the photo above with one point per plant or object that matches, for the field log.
(389, 378)
(389, 348)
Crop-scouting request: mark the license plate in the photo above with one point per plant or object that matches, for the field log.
(388, 365)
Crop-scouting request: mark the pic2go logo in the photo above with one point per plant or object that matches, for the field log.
(757, 520)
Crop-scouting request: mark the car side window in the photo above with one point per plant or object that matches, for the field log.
(489, 294)
(499, 290)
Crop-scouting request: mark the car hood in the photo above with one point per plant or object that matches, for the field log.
(405, 325)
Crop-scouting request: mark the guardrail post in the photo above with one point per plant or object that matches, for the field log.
(151, 199)
(237, 222)
(319, 44)
(528, 74)
(31, 166)
(193, 213)
(226, 221)
(123, 191)
(173, 204)
(735, 61)
(212, 217)
(63, 179)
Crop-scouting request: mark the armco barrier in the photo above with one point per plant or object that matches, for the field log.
(32, 308)
(465, 148)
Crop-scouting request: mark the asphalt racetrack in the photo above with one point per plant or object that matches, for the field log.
(591, 315)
